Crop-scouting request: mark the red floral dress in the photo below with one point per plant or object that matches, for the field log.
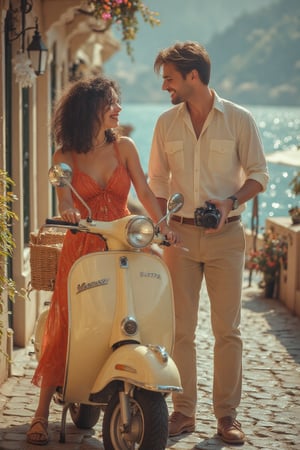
(106, 204)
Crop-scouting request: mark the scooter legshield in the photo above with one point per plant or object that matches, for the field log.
(98, 285)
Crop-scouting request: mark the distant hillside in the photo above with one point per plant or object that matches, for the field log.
(254, 50)
(257, 60)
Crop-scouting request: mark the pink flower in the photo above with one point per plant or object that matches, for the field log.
(106, 16)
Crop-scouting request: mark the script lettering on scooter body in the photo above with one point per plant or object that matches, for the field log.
(85, 286)
(150, 275)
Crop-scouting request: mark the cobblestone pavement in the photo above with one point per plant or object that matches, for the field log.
(270, 407)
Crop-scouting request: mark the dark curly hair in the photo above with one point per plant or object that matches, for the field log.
(78, 114)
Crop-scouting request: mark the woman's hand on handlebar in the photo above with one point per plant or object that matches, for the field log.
(71, 215)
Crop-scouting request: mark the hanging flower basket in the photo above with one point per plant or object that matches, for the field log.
(123, 13)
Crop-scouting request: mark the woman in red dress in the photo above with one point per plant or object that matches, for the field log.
(104, 166)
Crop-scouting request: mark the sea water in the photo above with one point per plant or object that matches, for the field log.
(279, 128)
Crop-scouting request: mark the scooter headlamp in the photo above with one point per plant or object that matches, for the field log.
(140, 232)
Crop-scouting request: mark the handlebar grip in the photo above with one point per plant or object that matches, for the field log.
(60, 222)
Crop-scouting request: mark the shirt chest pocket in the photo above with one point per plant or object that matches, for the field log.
(174, 151)
(222, 155)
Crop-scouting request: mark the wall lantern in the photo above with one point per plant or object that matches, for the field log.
(37, 51)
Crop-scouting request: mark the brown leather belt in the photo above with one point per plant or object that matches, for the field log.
(190, 221)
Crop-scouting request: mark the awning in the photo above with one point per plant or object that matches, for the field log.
(288, 157)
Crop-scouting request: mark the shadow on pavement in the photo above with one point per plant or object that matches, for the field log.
(15, 438)
(208, 443)
(283, 324)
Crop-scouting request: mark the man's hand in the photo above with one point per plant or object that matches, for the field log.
(224, 206)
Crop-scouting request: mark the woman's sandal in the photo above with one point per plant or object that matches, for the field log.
(38, 434)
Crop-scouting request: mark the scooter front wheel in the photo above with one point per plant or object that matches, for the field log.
(148, 427)
(84, 416)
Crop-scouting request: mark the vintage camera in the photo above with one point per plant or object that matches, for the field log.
(208, 217)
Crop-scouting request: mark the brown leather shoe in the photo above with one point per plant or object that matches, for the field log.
(230, 430)
(179, 423)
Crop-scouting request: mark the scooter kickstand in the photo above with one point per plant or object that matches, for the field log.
(62, 437)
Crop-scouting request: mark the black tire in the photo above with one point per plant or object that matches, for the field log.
(84, 416)
(149, 423)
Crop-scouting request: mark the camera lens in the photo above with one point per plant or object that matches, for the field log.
(211, 221)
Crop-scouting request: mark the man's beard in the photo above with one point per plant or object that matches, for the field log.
(176, 100)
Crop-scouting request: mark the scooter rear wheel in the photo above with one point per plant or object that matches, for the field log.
(84, 416)
(148, 428)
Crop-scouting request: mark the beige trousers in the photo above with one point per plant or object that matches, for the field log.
(220, 259)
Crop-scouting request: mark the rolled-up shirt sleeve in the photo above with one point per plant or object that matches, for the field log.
(251, 152)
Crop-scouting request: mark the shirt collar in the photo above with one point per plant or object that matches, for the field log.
(218, 104)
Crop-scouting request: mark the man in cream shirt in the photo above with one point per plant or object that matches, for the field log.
(208, 149)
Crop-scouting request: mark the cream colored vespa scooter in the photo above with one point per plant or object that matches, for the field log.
(121, 329)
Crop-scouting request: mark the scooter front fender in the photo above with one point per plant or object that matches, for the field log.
(147, 366)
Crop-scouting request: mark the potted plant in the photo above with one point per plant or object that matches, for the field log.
(295, 186)
(269, 260)
(7, 245)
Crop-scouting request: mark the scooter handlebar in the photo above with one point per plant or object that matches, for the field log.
(60, 222)
(161, 239)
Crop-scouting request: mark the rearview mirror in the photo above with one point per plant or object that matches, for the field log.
(60, 175)
(175, 202)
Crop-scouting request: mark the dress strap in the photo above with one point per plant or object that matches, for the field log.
(117, 152)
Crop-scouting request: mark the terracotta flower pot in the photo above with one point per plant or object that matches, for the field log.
(269, 289)
(295, 219)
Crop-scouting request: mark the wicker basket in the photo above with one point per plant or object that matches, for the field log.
(45, 249)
